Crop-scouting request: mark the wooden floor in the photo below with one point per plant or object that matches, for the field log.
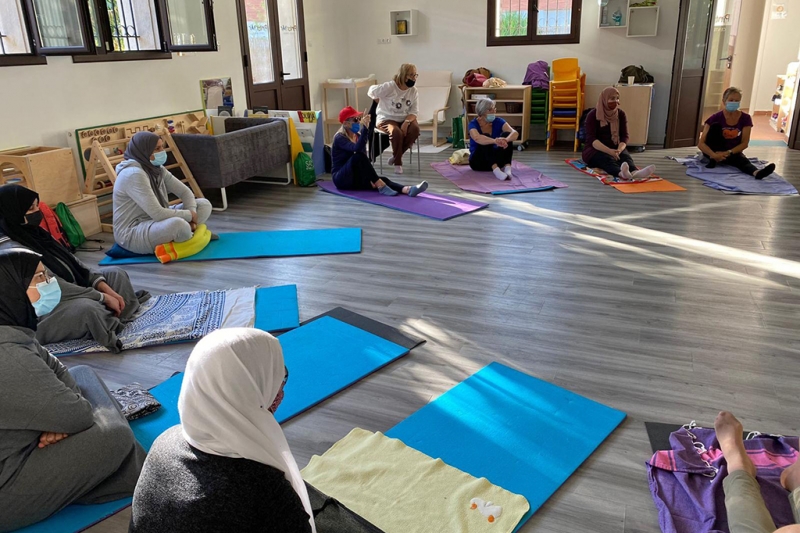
(668, 306)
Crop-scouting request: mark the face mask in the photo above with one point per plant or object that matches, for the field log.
(490, 118)
(49, 297)
(732, 106)
(355, 127)
(277, 402)
(410, 83)
(161, 158)
(33, 219)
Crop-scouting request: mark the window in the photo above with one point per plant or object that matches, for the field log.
(103, 30)
(519, 22)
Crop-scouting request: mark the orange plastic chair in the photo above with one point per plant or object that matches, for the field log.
(567, 91)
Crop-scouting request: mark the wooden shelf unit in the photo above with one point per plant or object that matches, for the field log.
(354, 86)
(510, 94)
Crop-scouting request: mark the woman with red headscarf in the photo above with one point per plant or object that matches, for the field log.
(607, 139)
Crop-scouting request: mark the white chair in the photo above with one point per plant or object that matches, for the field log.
(433, 88)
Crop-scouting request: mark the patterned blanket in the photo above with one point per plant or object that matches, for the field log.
(172, 318)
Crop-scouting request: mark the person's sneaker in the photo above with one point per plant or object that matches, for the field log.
(416, 189)
(398, 169)
(386, 190)
(766, 171)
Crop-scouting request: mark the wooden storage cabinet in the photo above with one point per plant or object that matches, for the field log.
(47, 170)
(86, 213)
(513, 105)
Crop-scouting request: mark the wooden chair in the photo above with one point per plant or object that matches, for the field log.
(433, 88)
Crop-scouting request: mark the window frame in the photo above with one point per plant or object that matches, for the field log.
(208, 7)
(574, 37)
(36, 38)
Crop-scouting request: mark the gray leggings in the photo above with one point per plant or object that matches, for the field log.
(176, 229)
(98, 465)
(744, 503)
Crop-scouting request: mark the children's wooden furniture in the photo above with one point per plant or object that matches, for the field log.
(353, 85)
(513, 105)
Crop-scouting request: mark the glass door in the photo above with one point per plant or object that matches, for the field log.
(723, 44)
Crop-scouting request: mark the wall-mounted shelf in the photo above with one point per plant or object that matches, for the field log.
(410, 18)
(610, 9)
(643, 21)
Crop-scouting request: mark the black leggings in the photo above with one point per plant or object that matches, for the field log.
(609, 164)
(359, 175)
(717, 142)
(486, 155)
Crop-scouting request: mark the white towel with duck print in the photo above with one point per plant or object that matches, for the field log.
(172, 318)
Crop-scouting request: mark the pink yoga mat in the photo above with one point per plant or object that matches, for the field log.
(525, 179)
(426, 204)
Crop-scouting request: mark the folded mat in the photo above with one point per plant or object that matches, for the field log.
(402, 490)
(525, 179)
(519, 432)
(429, 205)
(733, 181)
(651, 184)
(284, 243)
(189, 316)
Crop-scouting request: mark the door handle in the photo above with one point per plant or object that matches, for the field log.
(284, 74)
(729, 59)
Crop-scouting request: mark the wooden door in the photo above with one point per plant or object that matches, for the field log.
(272, 34)
(723, 46)
(689, 73)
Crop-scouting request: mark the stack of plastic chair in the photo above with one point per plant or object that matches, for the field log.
(567, 90)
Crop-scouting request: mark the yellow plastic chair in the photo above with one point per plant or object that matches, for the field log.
(567, 90)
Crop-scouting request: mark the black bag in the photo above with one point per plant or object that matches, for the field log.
(330, 516)
(328, 160)
(640, 75)
(582, 125)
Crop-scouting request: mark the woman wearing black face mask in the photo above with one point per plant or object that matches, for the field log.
(92, 303)
(398, 107)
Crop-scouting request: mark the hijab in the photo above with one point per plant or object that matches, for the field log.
(15, 200)
(140, 148)
(608, 116)
(17, 267)
(231, 381)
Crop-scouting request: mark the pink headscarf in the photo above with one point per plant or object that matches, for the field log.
(607, 116)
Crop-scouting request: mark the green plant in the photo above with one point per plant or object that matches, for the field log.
(513, 23)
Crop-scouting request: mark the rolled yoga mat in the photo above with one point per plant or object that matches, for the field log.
(525, 179)
(286, 243)
(429, 205)
(519, 432)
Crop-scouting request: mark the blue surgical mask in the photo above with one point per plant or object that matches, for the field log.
(732, 106)
(355, 127)
(49, 297)
(161, 158)
(490, 118)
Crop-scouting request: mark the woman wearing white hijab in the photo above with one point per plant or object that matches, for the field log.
(228, 466)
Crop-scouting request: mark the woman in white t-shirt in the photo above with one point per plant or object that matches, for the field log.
(398, 107)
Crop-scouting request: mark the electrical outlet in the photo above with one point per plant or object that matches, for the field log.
(385, 40)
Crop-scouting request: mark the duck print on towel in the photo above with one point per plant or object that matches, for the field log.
(488, 509)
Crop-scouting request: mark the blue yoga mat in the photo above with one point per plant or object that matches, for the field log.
(267, 244)
(276, 308)
(532, 189)
(519, 432)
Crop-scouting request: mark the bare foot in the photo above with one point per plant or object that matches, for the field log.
(729, 434)
(790, 478)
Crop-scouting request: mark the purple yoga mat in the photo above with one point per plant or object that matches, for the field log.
(525, 179)
(427, 205)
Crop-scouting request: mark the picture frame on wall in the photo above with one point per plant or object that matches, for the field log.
(402, 27)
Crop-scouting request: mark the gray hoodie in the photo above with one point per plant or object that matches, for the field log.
(37, 394)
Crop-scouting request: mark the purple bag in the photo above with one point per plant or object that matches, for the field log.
(538, 76)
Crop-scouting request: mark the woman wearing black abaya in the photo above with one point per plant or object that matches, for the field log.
(93, 305)
(62, 437)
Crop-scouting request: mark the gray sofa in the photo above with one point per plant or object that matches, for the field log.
(250, 147)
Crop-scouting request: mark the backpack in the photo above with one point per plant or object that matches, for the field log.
(304, 170)
(52, 225)
(640, 75)
(71, 227)
(582, 125)
(476, 76)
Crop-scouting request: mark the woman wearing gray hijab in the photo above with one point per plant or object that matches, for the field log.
(143, 218)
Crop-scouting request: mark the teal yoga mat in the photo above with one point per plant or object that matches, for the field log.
(324, 357)
(519, 432)
(285, 243)
(276, 308)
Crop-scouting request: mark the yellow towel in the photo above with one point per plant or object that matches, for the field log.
(401, 490)
(178, 250)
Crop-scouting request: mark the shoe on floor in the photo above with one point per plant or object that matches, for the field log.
(416, 189)
(398, 169)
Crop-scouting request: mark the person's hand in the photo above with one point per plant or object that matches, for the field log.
(194, 217)
(193, 226)
(501, 142)
(113, 305)
(365, 119)
(404, 127)
(48, 437)
(615, 155)
(111, 293)
(719, 156)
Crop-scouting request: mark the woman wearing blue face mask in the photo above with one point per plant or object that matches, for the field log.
(491, 141)
(726, 135)
(350, 165)
(143, 218)
(63, 439)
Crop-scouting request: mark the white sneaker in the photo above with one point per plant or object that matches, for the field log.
(398, 170)
(391, 161)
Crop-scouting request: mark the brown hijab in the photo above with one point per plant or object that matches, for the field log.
(608, 116)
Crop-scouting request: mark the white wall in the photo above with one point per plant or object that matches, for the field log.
(44, 102)
(452, 36)
(745, 55)
(780, 44)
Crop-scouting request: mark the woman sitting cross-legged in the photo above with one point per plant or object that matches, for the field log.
(726, 135)
(83, 303)
(63, 438)
(143, 218)
(606, 129)
(350, 165)
(227, 467)
(491, 141)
